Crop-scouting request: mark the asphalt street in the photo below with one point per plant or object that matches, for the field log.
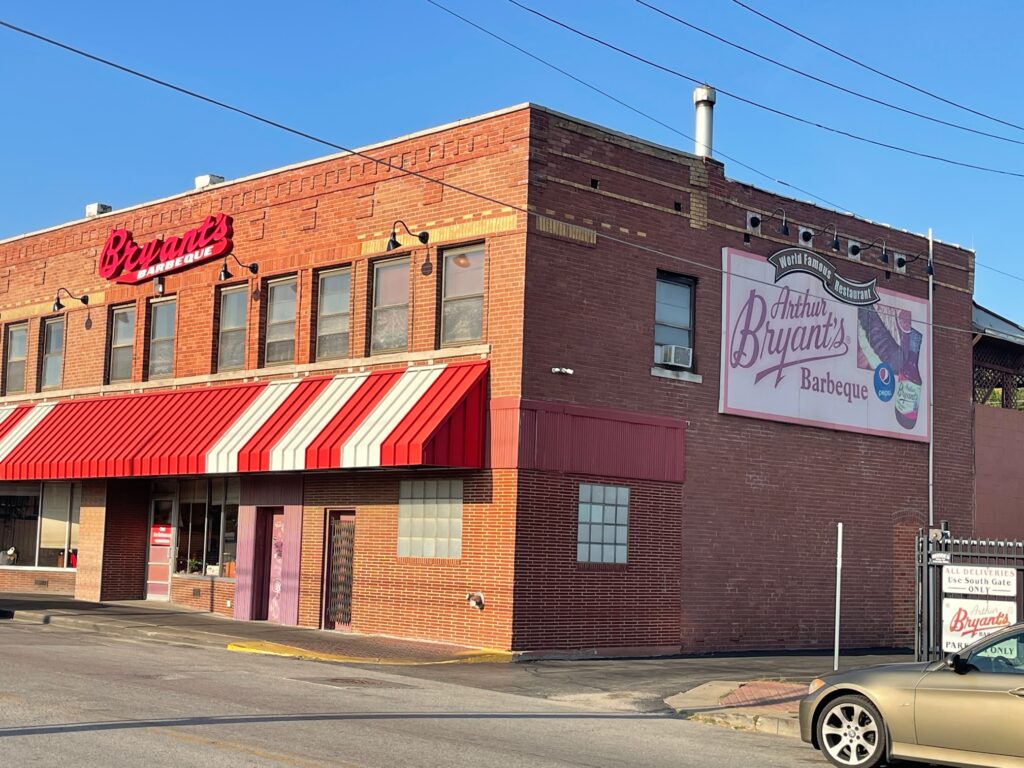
(71, 697)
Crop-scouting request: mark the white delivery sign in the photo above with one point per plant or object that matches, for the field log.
(979, 580)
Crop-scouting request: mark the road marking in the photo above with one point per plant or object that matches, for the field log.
(234, 746)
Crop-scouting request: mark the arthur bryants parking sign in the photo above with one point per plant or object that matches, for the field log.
(803, 344)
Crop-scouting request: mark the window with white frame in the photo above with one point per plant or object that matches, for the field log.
(281, 297)
(51, 374)
(332, 315)
(430, 518)
(390, 322)
(231, 334)
(462, 300)
(603, 532)
(162, 320)
(15, 351)
(673, 321)
(122, 343)
(39, 524)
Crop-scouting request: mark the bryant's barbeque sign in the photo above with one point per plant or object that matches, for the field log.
(803, 344)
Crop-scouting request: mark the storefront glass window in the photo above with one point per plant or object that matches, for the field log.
(53, 353)
(207, 527)
(390, 332)
(430, 518)
(603, 532)
(281, 322)
(161, 338)
(122, 343)
(39, 524)
(332, 315)
(462, 305)
(231, 339)
(16, 346)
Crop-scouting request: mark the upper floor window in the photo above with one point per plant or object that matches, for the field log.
(52, 370)
(231, 335)
(122, 343)
(673, 322)
(162, 320)
(462, 300)
(15, 347)
(390, 322)
(280, 322)
(332, 314)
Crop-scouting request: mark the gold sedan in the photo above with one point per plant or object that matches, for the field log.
(967, 710)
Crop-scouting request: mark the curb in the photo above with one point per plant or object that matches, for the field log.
(703, 704)
(488, 655)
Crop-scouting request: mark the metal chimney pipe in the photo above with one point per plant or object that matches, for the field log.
(704, 101)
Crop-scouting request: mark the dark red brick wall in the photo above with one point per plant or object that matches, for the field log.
(124, 541)
(761, 499)
(998, 436)
(215, 595)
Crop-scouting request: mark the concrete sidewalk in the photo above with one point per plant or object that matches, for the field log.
(174, 624)
(765, 706)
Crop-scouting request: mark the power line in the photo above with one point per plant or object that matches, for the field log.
(622, 103)
(823, 81)
(386, 164)
(766, 108)
(869, 68)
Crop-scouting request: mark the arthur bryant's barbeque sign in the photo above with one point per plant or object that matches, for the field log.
(125, 261)
(803, 344)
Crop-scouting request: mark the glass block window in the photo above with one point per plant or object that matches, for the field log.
(430, 518)
(122, 343)
(231, 337)
(281, 296)
(332, 314)
(163, 315)
(603, 524)
(462, 301)
(390, 322)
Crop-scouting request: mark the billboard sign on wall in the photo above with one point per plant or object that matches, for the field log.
(805, 345)
(966, 621)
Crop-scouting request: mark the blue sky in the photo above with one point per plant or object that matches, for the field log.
(360, 72)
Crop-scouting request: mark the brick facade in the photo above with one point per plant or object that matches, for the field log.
(738, 554)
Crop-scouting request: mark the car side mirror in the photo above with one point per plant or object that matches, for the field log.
(956, 663)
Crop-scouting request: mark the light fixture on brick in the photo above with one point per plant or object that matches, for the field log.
(225, 273)
(58, 305)
(423, 237)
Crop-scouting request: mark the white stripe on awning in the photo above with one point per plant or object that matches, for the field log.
(290, 451)
(362, 449)
(223, 457)
(20, 431)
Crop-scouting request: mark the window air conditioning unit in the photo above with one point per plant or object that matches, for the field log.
(677, 357)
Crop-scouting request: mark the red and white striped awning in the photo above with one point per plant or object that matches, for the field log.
(426, 415)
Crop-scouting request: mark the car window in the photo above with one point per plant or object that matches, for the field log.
(1003, 656)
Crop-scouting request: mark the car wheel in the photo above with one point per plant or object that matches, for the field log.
(851, 732)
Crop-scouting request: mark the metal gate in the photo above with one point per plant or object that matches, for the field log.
(341, 545)
(980, 575)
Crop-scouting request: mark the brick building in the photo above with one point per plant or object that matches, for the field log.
(480, 438)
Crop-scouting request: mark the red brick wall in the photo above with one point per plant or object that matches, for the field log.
(24, 580)
(215, 595)
(761, 499)
(125, 539)
(563, 604)
(91, 536)
(999, 484)
(416, 597)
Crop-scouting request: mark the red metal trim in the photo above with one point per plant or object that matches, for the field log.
(325, 451)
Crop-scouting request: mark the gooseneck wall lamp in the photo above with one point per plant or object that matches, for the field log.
(754, 222)
(835, 237)
(225, 273)
(423, 237)
(58, 305)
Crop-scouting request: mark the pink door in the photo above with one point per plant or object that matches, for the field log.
(161, 539)
(276, 571)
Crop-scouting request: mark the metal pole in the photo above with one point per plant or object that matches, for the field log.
(839, 588)
(928, 570)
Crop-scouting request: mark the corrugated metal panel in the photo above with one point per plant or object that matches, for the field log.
(244, 561)
(255, 456)
(324, 452)
(289, 600)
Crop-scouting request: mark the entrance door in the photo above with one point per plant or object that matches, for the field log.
(161, 540)
(341, 537)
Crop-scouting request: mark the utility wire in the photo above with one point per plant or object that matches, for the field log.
(766, 108)
(823, 81)
(869, 68)
(405, 171)
(628, 106)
